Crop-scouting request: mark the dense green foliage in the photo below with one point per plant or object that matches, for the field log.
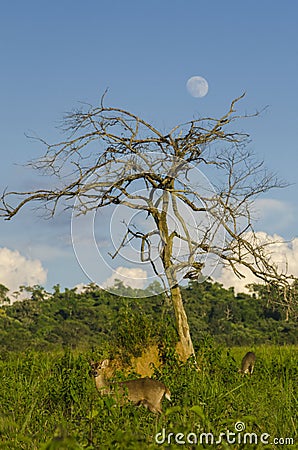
(97, 318)
(49, 402)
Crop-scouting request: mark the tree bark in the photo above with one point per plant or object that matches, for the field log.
(185, 345)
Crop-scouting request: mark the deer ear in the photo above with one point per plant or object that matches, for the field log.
(105, 363)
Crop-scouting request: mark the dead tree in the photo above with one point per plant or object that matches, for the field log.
(113, 157)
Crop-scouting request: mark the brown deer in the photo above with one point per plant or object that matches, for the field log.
(141, 391)
(248, 363)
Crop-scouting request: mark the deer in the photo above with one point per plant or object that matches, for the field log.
(248, 363)
(140, 391)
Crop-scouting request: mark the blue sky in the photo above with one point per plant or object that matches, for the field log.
(55, 54)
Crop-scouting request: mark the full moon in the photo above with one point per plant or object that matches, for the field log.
(197, 86)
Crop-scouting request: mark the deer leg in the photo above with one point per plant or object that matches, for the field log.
(155, 409)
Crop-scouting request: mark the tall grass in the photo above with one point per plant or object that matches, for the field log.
(48, 401)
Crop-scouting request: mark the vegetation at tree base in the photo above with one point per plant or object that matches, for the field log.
(49, 402)
(97, 318)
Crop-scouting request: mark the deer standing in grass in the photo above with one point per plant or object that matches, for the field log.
(142, 391)
(248, 363)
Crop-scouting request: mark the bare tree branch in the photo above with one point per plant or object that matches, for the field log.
(113, 157)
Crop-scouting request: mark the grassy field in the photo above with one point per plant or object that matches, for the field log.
(48, 401)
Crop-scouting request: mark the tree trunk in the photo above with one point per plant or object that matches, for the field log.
(185, 346)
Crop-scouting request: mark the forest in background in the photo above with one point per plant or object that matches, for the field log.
(49, 400)
(94, 318)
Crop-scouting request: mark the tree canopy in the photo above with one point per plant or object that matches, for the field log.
(111, 158)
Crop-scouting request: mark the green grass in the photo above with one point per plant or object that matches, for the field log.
(49, 402)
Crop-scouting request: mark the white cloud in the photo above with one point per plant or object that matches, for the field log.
(282, 253)
(135, 278)
(80, 288)
(17, 270)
